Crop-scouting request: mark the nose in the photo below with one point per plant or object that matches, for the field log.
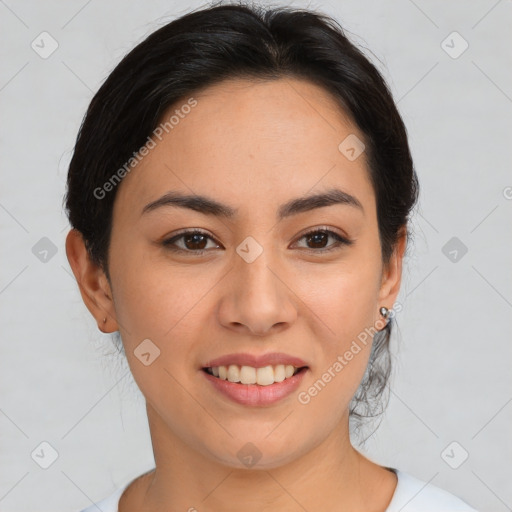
(257, 298)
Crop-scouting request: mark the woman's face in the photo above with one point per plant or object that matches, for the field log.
(260, 286)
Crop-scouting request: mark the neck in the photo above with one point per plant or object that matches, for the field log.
(331, 476)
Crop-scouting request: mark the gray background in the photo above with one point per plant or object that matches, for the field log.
(452, 350)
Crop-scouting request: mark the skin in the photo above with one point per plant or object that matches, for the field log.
(253, 146)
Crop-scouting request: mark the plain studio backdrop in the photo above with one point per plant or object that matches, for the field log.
(449, 416)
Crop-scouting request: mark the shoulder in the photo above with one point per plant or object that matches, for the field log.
(415, 495)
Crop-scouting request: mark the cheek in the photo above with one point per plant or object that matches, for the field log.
(344, 298)
(164, 304)
(157, 315)
(151, 297)
(346, 307)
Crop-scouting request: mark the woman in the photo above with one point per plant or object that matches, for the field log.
(239, 193)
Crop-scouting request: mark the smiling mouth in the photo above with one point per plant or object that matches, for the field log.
(264, 376)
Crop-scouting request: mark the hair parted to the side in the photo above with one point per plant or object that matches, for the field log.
(212, 44)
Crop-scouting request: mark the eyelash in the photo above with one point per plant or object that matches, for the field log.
(340, 241)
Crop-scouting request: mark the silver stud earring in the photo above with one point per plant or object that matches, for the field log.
(384, 311)
(105, 320)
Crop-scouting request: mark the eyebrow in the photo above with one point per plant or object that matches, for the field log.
(209, 206)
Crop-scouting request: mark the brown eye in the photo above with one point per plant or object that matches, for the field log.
(317, 240)
(194, 242)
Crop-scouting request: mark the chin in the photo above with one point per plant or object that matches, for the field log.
(259, 454)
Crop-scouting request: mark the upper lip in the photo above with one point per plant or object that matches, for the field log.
(245, 359)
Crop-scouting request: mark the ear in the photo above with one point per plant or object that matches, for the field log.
(392, 273)
(92, 281)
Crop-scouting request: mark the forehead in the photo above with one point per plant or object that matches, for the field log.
(249, 141)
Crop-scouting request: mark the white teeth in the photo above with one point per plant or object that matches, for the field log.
(280, 373)
(249, 375)
(265, 376)
(233, 373)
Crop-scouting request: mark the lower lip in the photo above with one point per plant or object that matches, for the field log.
(253, 394)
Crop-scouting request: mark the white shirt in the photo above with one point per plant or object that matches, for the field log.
(411, 495)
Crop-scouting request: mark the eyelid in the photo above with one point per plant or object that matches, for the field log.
(341, 239)
(327, 229)
(188, 231)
